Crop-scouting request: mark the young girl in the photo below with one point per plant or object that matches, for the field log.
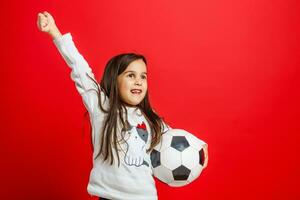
(124, 126)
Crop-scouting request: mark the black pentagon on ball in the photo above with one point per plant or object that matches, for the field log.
(179, 143)
(181, 173)
(201, 157)
(155, 158)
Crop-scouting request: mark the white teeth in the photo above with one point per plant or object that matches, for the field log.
(136, 91)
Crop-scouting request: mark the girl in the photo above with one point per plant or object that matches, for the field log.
(124, 126)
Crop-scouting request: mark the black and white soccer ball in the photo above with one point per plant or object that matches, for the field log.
(178, 159)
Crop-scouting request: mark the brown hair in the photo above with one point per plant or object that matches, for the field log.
(108, 138)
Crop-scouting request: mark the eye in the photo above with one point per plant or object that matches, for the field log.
(131, 75)
(144, 77)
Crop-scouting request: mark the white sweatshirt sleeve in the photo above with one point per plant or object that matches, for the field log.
(79, 74)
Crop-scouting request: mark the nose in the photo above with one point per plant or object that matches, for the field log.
(138, 81)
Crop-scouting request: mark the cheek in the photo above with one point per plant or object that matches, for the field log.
(124, 86)
(121, 88)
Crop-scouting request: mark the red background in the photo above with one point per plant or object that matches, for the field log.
(225, 70)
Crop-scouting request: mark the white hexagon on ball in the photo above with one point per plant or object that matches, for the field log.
(190, 158)
(170, 158)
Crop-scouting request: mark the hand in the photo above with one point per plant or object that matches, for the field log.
(205, 149)
(46, 23)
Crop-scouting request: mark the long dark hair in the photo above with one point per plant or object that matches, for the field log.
(108, 137)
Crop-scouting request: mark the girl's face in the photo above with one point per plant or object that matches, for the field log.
(132, 83)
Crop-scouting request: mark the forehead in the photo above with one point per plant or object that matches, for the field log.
(137, 66)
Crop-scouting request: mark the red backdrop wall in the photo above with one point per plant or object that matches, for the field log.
(227, 71)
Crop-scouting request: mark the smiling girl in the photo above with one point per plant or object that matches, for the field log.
(124, 126)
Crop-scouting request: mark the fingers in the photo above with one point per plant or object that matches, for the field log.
(42, 15)
(205, 156)
(206, 161)
(46, 13)
(41, 22)
(44, 21)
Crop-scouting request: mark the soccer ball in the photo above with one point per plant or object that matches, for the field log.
(178, 159)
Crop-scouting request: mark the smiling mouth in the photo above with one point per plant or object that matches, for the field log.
(136, 91)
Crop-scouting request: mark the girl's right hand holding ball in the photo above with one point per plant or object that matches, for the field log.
(46, 23)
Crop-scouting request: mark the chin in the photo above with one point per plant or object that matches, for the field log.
(131, 104)
(135, 102)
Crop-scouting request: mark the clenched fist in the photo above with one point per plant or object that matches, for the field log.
(46, 23)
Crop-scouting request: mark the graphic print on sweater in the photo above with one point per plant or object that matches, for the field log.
(136, 146)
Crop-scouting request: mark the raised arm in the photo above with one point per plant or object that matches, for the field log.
(81, 73)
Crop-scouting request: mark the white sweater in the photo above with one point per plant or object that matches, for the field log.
(133, 180)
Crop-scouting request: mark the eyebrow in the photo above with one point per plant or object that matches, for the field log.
(134, 71)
